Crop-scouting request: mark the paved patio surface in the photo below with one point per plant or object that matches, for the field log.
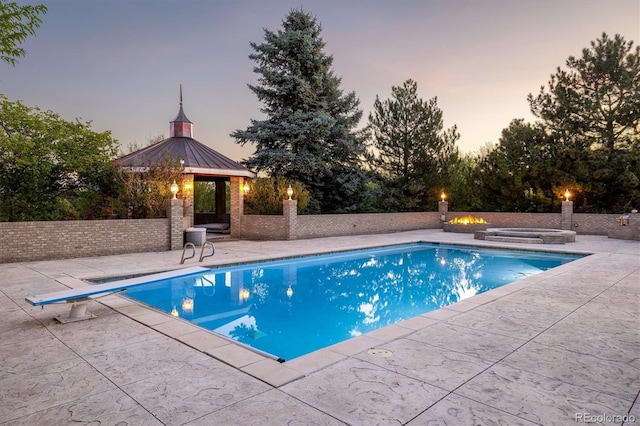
(561, 347)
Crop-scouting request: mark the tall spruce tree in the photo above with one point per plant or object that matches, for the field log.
(309, 133)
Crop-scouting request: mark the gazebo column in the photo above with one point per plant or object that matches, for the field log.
(237, 206)
(188, 186)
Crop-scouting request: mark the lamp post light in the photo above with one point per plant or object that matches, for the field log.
(443, 196)
(566, 194)
(174, 189)
(289, 191)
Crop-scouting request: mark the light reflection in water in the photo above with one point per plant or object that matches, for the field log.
(289, 309)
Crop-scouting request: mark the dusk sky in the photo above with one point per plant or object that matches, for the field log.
(119, 63)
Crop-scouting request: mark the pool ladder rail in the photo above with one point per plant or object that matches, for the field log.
(193, 253)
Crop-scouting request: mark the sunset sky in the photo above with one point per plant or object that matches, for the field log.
(119, 63)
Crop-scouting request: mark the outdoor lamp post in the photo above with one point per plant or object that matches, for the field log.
(289, 191)
(566, 195)
(443, 196)
(174, 189)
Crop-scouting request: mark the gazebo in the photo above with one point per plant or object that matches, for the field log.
(200, 164)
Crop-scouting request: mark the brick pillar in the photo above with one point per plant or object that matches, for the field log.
(188, 200)
(236, 209)
(566, 219)
(290, 212)
(175, 216)
(443, 208)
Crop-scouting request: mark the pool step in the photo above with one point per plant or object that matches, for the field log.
(507, 239)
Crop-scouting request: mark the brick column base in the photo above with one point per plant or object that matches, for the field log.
(290, 212)
(443, 209)
(175, 216)
(567, 215)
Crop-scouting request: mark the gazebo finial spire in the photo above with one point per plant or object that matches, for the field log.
(181, 126)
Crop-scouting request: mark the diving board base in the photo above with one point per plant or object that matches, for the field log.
(78, 313)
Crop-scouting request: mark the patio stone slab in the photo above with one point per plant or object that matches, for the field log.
(435, 366)
(487, 346)
(458, 410)
(360, 393)
(508, 324)
(100, 334)
(616, 303)
(537, 398)
(142, 360)
(41, 388)
(16, 357)
(194, 391)
(19, 326)
(269, 408)
(600, 344)
(112, 407)
(614, 378)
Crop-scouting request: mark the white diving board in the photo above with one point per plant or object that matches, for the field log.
(83, 293)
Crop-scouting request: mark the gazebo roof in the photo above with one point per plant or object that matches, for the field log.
(197, 158)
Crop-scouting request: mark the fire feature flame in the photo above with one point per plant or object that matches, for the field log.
(467, 220)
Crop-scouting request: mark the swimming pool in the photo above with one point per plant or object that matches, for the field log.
(293, 307)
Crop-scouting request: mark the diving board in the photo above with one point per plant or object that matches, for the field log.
(83, 294)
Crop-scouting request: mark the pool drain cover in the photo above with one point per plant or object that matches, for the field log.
(380, 353)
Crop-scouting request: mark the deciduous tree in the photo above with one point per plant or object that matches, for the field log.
(16, 24)
(266, 195)
(47, 163)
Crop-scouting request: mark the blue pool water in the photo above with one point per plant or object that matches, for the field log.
(293, 307)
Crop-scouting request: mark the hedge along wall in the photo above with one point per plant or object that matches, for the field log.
(29, 241)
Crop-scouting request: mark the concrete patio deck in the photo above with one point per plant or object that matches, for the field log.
(558, 348)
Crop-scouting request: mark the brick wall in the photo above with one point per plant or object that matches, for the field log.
(595, 224)
(629, 231)
(28, 241)
(267, 227)
(314, 226)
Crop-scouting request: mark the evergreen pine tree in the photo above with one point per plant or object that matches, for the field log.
(309, 133)
(414, 149)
